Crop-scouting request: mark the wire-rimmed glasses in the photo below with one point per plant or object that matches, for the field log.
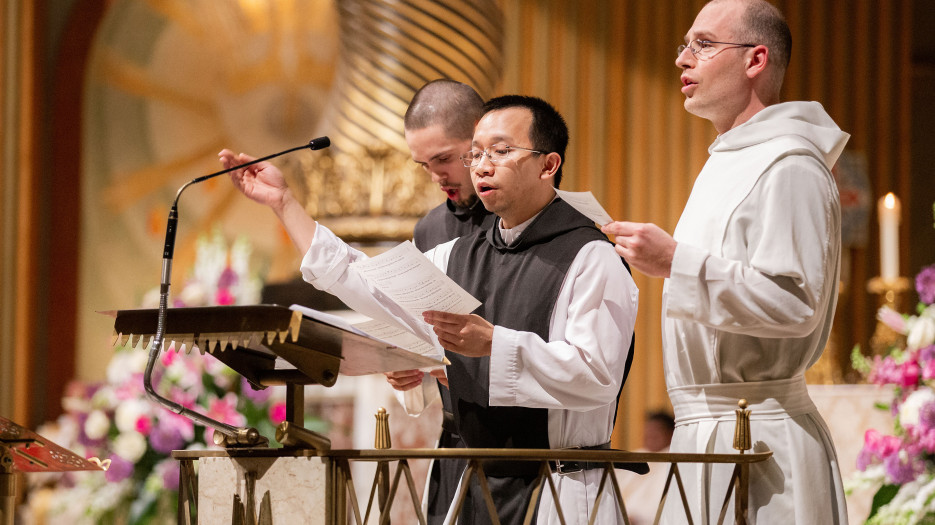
(497, 153)
(704, 49)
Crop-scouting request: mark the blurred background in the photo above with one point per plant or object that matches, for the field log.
(109, 106)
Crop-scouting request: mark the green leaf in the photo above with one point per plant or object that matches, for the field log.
(882, 497)
(859, 361)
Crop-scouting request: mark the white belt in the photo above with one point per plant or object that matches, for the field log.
(777, 399)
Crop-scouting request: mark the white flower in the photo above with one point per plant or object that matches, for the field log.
(909, 411)
(105, 398)
(129, 412)
(124, 364)
(194, 294)
(97, 425)
(921, 332)
(130, 446)
(210, 260)
(151, 298)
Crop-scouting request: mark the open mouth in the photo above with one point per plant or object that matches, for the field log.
(452, 193)
(484, 189)
(687, 84)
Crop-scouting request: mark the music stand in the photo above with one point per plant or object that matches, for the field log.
(271, 345)
(22, 450)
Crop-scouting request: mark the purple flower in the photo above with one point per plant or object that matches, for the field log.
(166, 438)
(169, 470)
(228, 278)
(927, 416)
(256, 396)
(119, 470)
(901, 470)
(925, 284)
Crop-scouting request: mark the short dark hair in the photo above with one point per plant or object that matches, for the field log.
(453, 105)
(763, 23)
(548, 131)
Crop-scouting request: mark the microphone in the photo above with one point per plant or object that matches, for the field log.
(319, 143)
(240, 436)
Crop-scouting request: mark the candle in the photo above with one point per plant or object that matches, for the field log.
(888, 211)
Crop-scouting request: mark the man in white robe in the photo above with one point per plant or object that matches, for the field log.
(574, 374)
(751, 273)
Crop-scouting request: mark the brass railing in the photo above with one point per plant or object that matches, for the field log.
(344, 507)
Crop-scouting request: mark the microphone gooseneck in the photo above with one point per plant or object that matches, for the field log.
(232, 436)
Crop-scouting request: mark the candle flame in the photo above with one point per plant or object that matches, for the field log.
(890, 200)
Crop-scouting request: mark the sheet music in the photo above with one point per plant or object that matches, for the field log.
(405, 275)
(392, 335)
(327, 318)
(586, 203)
(399, 337)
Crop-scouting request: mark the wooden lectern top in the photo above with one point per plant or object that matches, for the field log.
(270, 344)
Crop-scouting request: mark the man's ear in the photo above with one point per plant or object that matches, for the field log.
(552, 162)
(758, 61)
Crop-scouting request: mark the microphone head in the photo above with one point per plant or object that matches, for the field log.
(319, 143)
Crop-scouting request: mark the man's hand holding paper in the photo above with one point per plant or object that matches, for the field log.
(469, 335)
(644, 246)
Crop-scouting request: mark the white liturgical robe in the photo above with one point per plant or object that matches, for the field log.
(576, 375)
(748, 308)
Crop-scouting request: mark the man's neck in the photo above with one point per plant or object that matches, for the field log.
(515, 221)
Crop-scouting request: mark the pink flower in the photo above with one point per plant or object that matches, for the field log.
(224, 297)
(277, 413)
(144, 425)
(224, 410)
(881, 444)
(169, 356)
(909, 373)
(892, 319)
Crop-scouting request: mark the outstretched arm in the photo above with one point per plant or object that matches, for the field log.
(264, 183)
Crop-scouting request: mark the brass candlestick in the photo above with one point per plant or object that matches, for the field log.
(890, 292)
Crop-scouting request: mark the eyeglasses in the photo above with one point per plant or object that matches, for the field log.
(497, 153)
(702, 49)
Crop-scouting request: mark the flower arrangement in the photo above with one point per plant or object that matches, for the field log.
(114, 420)
(902, 465)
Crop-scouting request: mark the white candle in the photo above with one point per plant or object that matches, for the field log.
(888, 211)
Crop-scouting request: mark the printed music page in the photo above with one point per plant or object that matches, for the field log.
(405, 275)
(586, 203)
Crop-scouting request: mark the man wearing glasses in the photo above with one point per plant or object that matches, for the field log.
(751, 272)
(542, 361)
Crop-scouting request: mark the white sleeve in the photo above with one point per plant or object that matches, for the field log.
(781, 250)
(582, 366)
(416, 400)
(326, 265)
